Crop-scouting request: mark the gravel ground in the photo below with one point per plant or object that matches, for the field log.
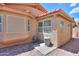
(69, 49)
(17, 49)
(72, 46)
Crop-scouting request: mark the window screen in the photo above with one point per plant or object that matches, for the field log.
(29, 25)
(40, 26)
(15, 24)
(47, 26)
(47, 23)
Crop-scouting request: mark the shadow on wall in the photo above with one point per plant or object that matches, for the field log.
(72, 46)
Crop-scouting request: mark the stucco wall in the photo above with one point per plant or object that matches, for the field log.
(54, 30)
(64, 33)
(12, 37)
(60, 35)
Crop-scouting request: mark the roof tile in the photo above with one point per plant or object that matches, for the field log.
(56, 10)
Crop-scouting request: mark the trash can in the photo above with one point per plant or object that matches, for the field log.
(47, 42)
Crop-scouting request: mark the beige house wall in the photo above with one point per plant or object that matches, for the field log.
(12, 38)
(64, 33)
(60, 35)
(54, 30)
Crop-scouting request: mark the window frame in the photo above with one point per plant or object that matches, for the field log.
(44, 26)
(28, 25)
(40, 27)
(7, 31)
(62, 23)
(1, 23)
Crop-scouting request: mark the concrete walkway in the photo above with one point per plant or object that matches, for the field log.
(69, 49)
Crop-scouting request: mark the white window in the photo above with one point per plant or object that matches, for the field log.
(15, 24)
(45, 26)
(61, 23)
(0, 24)
(40, 26)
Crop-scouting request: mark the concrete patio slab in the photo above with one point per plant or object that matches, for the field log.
(44, 49)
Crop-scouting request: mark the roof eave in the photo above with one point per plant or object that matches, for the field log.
(34, 5)
(16, 11)
(56, 12)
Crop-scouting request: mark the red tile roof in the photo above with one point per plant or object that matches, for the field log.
(55, 11)
(47, 13)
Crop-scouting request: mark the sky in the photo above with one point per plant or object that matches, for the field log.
(71, 9)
